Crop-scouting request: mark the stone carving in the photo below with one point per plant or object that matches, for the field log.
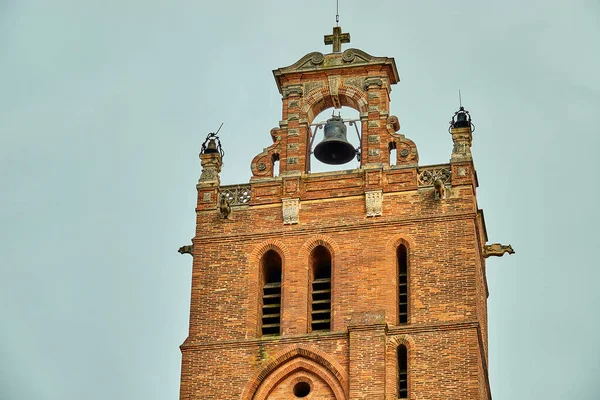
(440, 189)
(373, 81)
(224, 207)
(356, 56)
(291, 90)
(496, 250)
(462, 138)
(189, 249)
(211, 166)
(291, 211)
(428, 176)
(310, 60)
(309, 87)
(374, 202)
(357, 82)
(236, 195)
(208, 174)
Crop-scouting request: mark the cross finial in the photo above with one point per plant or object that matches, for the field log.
(337, 38)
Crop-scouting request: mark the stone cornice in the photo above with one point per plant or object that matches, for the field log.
(316, 61)
(307, 230)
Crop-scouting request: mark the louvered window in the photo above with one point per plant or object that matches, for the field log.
(402, 372)
(402, 255)
(321, 290)
(271, 293)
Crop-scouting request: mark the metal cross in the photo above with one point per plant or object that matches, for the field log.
(337, 38)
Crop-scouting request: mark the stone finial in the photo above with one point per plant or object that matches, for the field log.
(461, 129)
(496, 250)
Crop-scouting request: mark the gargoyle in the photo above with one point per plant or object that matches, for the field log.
(224, 207)
(497, 250)
(440, 189)
(189, 249)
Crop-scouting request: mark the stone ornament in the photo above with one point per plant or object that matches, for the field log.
(440, 189)
(224, 207)
(236, 195)
(291, 211)
(496, 250)
(189, 249)
(373, 81)
(374, 202)
(462, 138)
(211, 166)
(428, 175)
(292, 90)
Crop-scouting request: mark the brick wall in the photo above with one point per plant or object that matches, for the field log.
(225, 356)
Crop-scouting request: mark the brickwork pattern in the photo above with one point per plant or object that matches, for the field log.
(225, 356)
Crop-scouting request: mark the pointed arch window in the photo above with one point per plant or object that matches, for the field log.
(402, 372)
(271, 293)
(402, 258)
(320, 289)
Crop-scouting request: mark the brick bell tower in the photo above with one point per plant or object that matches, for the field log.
(367, 283)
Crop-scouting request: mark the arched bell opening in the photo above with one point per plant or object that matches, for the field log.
(335, 140)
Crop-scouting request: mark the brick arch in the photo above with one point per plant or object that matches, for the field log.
(318, 240)
(255, 288)
(304, 256)
(290, 360)
(321, 99)
(392, 363)
(390, 254)
(395, 341)
(396, 240)
(271, 244)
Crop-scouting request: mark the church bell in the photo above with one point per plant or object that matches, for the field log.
(334, 148)
(211, 147)
(461, 119)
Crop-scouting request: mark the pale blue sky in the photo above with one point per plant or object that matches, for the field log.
(104, 106)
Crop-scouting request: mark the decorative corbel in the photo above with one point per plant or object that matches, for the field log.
(496, 250)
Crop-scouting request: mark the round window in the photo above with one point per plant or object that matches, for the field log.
(301, 389)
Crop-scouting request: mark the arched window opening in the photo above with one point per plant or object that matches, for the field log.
(275, 160)
(271, 293)
(321, 289)
(402, 255)
(402, 372)
(392, 147)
